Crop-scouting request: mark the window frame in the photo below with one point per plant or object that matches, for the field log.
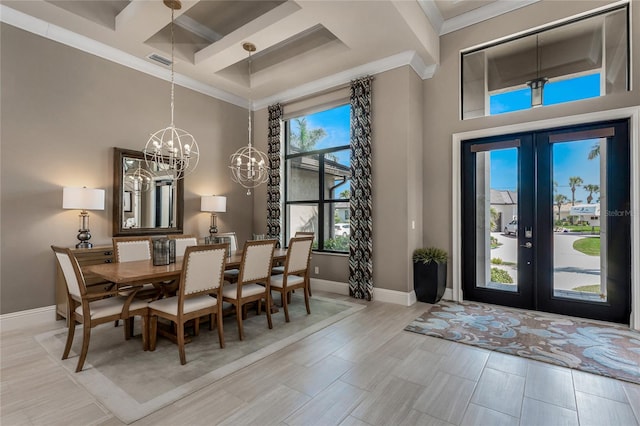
(321, 201)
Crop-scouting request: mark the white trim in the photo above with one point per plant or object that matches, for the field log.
(481, 14)
(29, 318)
(633, 113)
(330, 286)
(448, 294)
(433, 14)
(394, 296)
(343, 77)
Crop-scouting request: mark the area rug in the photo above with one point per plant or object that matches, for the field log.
(604, 349)
(132, 383)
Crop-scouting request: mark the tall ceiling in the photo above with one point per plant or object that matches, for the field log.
(303, 46)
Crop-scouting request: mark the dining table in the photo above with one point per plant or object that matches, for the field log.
(128, 275)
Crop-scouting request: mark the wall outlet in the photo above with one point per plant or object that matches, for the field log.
(316, 270)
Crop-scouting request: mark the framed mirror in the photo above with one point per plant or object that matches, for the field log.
(145, 201)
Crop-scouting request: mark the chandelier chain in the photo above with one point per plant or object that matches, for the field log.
(172, 61)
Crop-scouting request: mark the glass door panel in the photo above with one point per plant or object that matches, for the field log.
(497, 219)
(579, 237)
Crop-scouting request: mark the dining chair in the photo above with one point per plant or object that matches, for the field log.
(230, 275)
(280, 268)
(93, 309)
(296, 272)
(131, 249)
(182, 242)
(255, 268)
(202, 277)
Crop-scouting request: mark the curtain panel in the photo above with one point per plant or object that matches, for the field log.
(360, 206)
(273, 186)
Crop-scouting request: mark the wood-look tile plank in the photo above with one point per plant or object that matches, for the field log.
(597, 411)
(500, 391)
(416, 417)
(438, 346)
(550, 384)
(418, 367)
(599, 386)
(465, 361)
(389, 404)
(446, 397)
(536, 413)
(401, 345)
(352, 421)
(329, 407)
(270, 408)
(367, 373)
(508, 363)
(633, 397)
(477, 415)
(313, 380)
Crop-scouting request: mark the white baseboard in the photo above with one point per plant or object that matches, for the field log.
(330, 286)
(28, 318)
(394, 296)
(448, 294)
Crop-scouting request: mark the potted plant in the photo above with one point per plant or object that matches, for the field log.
(429, 274)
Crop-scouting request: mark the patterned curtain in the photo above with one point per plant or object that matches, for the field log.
(273, 186)
(360, 241)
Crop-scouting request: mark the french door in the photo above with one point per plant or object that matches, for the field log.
(546, 220)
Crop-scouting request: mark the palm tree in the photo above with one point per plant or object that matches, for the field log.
(560, 199)
(306, 139)
(595, 151)
(574, 182)
(345, 194)
(591, 188)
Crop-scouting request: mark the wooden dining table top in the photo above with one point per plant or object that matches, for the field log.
(144, 271)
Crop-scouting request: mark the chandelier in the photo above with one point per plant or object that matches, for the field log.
(172, 151)
(138, 179)
(249, 166)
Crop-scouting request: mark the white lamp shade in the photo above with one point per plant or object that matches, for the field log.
(83, 198)
(213, 203)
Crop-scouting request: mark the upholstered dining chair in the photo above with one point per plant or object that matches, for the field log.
(296, 272)
(131, 249)
(280, 269)
(92, 309)
(202, 277)
(255, 267)
(182, 242)
(230, 275)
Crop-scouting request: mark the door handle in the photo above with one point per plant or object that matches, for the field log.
(527, 245)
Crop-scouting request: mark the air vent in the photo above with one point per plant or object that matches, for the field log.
(161, 59)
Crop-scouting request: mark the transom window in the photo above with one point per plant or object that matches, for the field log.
(583, 58)
(318, 177)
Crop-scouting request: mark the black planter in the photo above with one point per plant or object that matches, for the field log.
(429, 281)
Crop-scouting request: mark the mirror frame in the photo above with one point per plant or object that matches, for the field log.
(118, 190)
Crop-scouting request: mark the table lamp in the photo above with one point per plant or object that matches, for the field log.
(214, 204)
(83, 199)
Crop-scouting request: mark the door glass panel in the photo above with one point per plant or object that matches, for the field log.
(497, 219)
(579, 252)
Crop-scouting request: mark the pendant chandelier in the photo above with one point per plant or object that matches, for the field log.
(249, 166)
(171, 151)
(537, 84)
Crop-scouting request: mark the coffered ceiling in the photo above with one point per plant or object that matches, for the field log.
(303, 46)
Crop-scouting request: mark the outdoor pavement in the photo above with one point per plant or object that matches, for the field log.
(571, 267)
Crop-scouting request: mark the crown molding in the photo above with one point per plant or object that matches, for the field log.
(85, 44)
(480, 14)
(433, 14)
(408, 57)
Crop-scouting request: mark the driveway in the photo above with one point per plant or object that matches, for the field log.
(571, 267)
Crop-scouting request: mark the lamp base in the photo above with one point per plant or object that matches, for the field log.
(84, 236)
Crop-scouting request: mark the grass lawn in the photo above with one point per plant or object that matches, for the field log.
(588, 288)
(582, 228)
(588, 246)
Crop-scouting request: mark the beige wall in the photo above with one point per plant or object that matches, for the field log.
(397, 185)
(63, 111)
(441, 114)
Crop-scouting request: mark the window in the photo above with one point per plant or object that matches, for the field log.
(583, 58)
(318, 177)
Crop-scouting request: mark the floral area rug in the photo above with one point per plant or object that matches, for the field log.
(605, 349)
